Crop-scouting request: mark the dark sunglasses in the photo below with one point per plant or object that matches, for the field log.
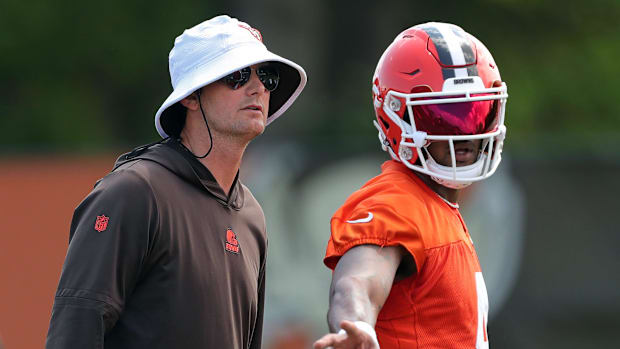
(267, 74)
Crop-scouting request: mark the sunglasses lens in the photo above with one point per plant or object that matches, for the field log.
(269, 77)
(239, 78)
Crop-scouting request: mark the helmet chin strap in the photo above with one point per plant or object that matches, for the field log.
(462, 172)
(451, 184)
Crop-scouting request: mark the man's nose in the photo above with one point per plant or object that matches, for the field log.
(255, 85)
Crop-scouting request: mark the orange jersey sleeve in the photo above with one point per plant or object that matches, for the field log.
(444, 304)
(371, 216)
(394, 208)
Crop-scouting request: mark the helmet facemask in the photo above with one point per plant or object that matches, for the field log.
(456, 114)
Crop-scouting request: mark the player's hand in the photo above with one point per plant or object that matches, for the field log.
(353, 339)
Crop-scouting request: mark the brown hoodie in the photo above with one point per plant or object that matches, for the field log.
(160, 257)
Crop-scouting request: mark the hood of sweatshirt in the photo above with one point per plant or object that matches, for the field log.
(170, 154)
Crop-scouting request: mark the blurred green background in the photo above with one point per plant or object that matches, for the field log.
(87, 77)
(82, 76)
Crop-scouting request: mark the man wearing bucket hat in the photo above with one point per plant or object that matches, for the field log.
(169, 249)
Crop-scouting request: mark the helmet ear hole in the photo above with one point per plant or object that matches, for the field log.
(421, 89)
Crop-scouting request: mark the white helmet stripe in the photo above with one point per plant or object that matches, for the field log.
(453, 43)
(461, 73)
(453, 48)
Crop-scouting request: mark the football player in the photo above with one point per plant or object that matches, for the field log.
(405, 271)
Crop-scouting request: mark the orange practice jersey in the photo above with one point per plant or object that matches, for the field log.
(444, 304)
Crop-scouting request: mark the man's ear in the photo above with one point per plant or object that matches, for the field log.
(190, 102)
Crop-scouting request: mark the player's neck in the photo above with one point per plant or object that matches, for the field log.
(449, 194)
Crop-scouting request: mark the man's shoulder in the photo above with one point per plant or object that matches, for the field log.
(150, 158)
(138, 167)
(130, 177)
(149, 167)
(124, 188)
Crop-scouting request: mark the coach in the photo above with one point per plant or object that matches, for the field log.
(169, 249)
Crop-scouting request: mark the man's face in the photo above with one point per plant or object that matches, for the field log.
(465, 152)
(237, 113)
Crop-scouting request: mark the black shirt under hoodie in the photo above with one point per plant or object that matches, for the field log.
(160, 257)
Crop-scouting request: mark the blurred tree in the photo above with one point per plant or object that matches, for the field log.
(86, 75)
(91, 75)
(557, 59)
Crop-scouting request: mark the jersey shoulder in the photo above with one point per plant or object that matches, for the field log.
(389, 210)
(393, 190)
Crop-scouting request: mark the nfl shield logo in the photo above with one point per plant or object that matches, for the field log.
(101, 223)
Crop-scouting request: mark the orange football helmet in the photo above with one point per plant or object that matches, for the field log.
(435, 82)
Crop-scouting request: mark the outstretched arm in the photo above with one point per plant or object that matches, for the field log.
(360, 285)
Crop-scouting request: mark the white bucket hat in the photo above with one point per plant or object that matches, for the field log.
(215, 48)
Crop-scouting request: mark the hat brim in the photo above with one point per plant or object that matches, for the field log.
(292, 81)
